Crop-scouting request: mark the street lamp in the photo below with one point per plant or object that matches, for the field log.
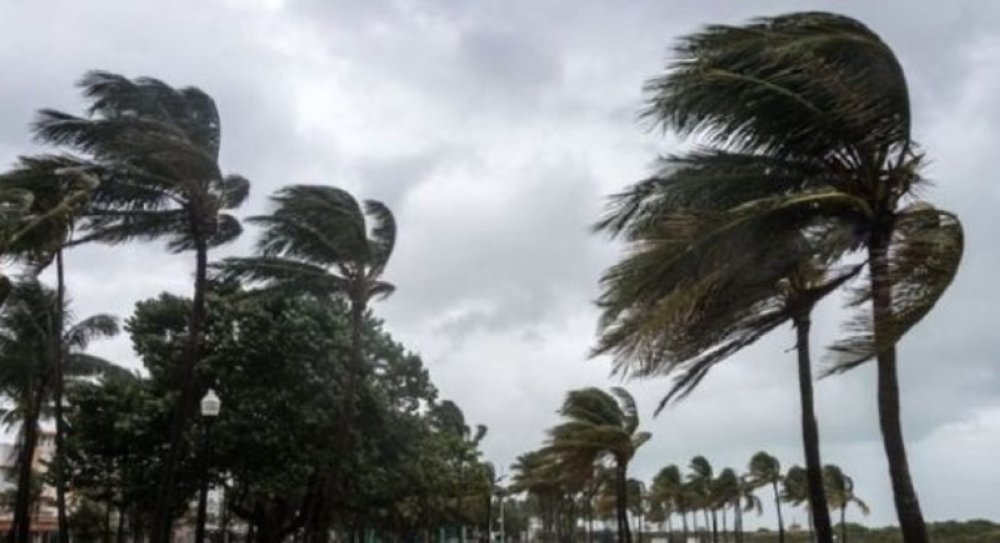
(210, 406)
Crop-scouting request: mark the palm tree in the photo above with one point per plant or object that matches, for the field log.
(155, 150)
(667, 490)
(320, 240)
(840, 494)
(601, 425)
(765, 470)
(32, 342)
(806, 118)
(700, 480)
(747, 501)
(59, 190)
(795, 489)
(726, 493)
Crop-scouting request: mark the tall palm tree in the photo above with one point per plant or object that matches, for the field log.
(32, 340)
(840, 494)
(601, 425)
(806, 122)
(321, 240)
(60, 190)
(765, 470)
(155, 149)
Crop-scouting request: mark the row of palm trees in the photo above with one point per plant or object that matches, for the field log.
(801, 180)
(142, 164)
(591, 449)
(701, 491)
(581, 471)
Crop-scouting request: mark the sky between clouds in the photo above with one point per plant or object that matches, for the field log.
(494, 129)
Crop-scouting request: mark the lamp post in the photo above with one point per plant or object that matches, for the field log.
(210, 406)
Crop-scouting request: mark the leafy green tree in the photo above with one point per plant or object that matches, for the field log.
(33, 341)
(155, 149)
(806, 121)
(601, 425)
(120, 430)
(320, 240)
(840, 494)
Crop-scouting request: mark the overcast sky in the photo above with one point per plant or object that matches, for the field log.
(494, 129)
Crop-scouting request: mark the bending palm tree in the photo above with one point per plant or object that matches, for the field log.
(29, 329)
(765, 470)
(59, 191)
(599, 425)
(840, 492)
(795, 489)
(668, 490)
(320, 240)
(807, 120)
(155, 150)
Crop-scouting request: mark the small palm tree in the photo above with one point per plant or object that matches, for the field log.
(668, 490)
(765, 470)
(155, 150)
(840, 494)
(795, 489)
(726, 491)
(601, 425)
(28, 323)
(700, 480)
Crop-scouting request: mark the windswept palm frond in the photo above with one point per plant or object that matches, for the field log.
(924, 256)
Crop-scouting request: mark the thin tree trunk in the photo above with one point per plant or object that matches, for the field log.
(684, 526)
(843, 524)
(725, 531)
(21, 525)
(810, 433)
(777, 507)
(621, 488)
(911, 519)
(60, 464)
(715, 527)
(163, 520)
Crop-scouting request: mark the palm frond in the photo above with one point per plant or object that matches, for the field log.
(798, 85)
(923, 258)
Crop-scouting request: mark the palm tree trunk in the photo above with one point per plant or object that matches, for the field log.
(621, 489)
(163, 520)
(684, 526)
(21, 525)
(911, 519)
(60, 464)
(725, 531)
(810, 433)
(777, 508)
(843, 524)
(715, 527)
